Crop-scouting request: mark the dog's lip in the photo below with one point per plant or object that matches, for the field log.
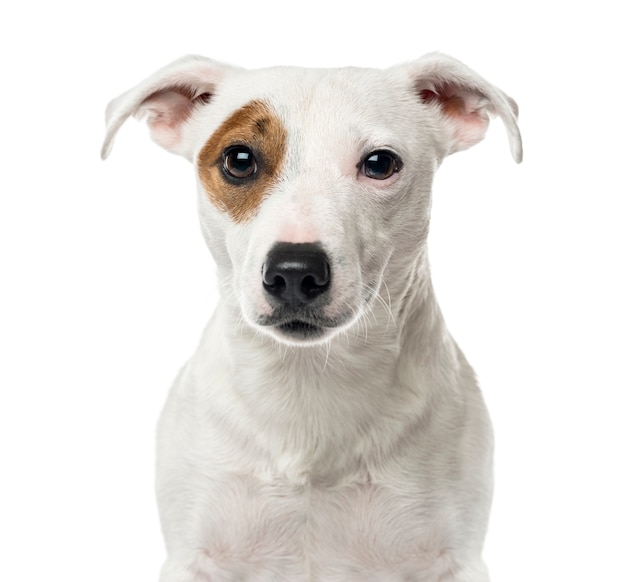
(299, 327)
(298, 320)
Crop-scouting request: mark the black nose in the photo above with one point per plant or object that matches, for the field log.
(295, 274)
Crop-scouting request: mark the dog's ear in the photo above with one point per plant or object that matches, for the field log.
(167, 99)
(465, 100)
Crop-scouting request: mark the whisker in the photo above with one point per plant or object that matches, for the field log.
(387, 304)
(327, 355)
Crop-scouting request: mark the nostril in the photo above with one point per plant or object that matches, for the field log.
(308, 284)
(276, 285)
(312, 286)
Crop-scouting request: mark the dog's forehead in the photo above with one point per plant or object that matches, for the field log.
(328, 98)
(312, 94)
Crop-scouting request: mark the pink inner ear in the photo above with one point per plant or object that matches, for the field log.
(166, 112)
(453, 101)
(466, 111)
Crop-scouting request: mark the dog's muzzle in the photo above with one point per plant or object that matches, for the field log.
(296, 281)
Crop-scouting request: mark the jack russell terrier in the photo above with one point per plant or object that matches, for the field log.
(328, 428)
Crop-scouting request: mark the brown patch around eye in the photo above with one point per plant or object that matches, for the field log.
(256, 127)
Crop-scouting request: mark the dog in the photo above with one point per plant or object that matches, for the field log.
(327, 428)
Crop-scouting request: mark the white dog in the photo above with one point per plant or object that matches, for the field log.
(328, 428)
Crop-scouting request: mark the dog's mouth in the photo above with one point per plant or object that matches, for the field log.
(300, 330)
(309, 326)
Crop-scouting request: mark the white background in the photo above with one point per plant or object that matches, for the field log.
(106, 284)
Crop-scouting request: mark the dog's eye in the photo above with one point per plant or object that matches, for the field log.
(239, 162)
(380, 165)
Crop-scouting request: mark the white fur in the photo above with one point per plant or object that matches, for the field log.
(363, 455)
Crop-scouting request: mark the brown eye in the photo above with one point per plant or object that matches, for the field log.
(380, 165)
(239, 162)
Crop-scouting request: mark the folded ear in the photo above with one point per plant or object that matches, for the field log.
(167, 99)
(465, 100)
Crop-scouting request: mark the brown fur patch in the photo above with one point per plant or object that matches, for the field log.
(255, 126)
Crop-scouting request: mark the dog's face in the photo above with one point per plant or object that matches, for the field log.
(310, 183)
(314, 184)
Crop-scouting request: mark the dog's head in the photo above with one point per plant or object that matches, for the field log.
(314, 185)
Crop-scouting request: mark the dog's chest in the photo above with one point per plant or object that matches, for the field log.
(312, 532)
